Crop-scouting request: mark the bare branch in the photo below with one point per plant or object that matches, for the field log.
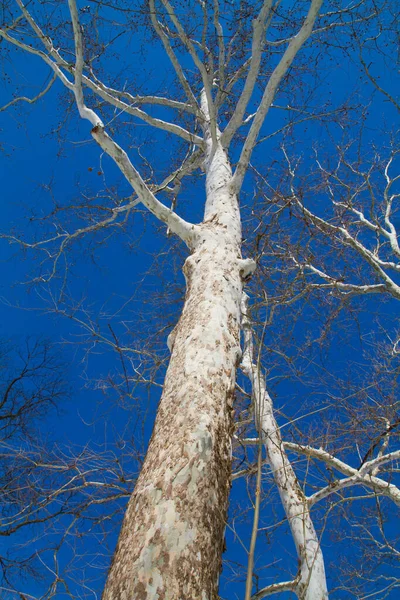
(199, 64)
(258, 41)
(174, 61)
(312, 571)
(182, 228)
(221, 52)
(84, 111)
(275, 588)
(278, 74)
(109, 96)
(31, 100)
(355, 476)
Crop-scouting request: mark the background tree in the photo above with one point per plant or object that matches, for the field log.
(51, 495)
(220, 90)
(32, 385)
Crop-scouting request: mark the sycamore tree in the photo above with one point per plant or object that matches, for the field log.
(225, 90)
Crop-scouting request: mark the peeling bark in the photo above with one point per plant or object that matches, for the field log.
(171, 542)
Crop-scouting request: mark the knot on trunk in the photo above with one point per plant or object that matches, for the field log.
(247, 266)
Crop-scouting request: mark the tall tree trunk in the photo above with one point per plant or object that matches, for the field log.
(171, 541)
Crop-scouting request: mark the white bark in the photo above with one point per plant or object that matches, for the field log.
(106, 94)
(30, 100)
(311, 581)
(275, 588)
(171, 541)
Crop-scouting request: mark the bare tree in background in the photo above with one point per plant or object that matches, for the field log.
(229, 65)
(32, 384)
(50, 494)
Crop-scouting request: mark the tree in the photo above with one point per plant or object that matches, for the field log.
(221, 87)
(32, 384)
(50, 494)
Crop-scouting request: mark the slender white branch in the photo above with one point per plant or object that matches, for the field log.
(109, 96)
(199, 64)
(392, 233)
(84, 111)
(275, 588)
(347, 238)
(312, 582)
(269, 94)
(31, 50)
(175, 224)
(153, 100)
(67, 238)
(183, 229)
(378, 485)
(237, 76)
(221, 53)
(174, 61)
(354, 476)
(30, 100)
(258, 41)
(372, 259)
(379, 461)
(346, 288)
(46, 41)
(179, 226)
(254, 532)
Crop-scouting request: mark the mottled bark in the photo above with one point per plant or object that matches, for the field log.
(171, 542)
